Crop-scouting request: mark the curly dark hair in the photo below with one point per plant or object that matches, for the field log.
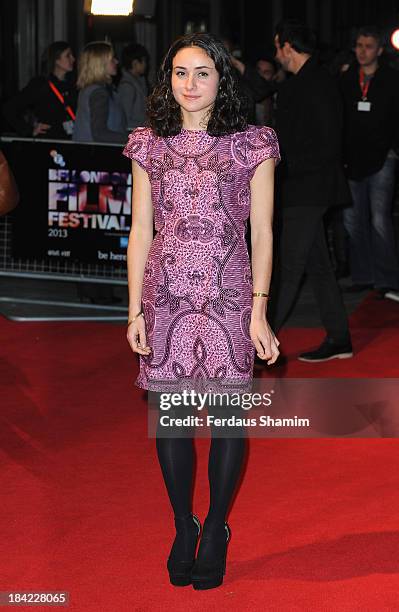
(228, 113)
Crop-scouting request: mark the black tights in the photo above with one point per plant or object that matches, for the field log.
(176, 457)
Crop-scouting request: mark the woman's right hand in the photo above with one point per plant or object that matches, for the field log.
(41, 128)
(136, 336)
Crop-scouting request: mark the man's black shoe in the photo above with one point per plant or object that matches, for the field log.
(387, 292)
(357, 288)
(328, 350)
(392, 295)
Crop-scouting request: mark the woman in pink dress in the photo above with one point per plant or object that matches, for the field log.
(197, 304)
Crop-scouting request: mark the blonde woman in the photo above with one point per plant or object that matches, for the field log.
(99, 117)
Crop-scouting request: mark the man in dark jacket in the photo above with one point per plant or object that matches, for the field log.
(371, 104)
(311, 179)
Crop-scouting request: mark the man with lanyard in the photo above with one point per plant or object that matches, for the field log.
(371, 111)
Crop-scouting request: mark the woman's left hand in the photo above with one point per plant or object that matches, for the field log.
(264, 340)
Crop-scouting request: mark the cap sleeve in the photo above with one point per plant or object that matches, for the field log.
(138, 146)
(255, 145)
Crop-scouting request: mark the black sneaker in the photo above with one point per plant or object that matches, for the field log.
(392, 295)
(387, 292)
(328, 350)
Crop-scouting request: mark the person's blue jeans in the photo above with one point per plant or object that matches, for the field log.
(372, 245)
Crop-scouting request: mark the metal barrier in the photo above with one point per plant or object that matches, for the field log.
(24, 234)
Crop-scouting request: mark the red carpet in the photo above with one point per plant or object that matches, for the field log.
(315, 525)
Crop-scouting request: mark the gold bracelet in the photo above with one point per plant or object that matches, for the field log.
(139, 314)
(261, 294)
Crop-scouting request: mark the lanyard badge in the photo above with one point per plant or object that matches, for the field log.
(363, 105)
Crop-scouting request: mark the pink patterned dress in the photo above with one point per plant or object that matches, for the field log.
(197, 288)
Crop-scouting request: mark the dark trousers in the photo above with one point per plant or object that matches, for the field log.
(302, 248)
(372, 243)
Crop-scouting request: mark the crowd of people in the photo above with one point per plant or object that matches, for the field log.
(98, 104)
(339, 151)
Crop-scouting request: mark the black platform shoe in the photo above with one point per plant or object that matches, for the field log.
(179, 570)
(208, 572)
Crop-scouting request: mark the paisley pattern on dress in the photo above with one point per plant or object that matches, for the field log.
(197, 287)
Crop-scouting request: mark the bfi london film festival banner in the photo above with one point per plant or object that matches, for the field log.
(75, 201)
